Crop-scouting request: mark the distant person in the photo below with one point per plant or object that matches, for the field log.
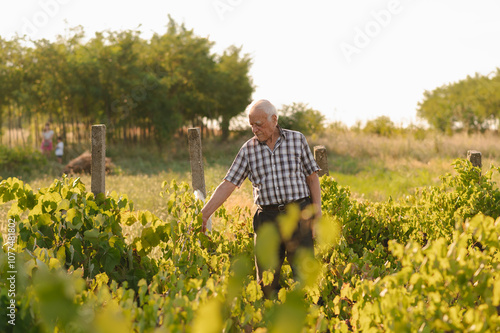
(59, 149)
(279, 164)
(47, 135)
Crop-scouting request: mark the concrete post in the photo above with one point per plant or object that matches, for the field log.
(322, 159)
(98, 168)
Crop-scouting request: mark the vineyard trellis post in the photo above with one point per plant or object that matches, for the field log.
(98, 167)
(322, 159)
(474, 157)
(197, 170)
(196, 158)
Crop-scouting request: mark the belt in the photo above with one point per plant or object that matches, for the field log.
(281, 207)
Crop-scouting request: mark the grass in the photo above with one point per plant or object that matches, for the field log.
(141, 171)
(375, 168)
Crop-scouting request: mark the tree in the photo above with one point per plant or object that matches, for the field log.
(8, 75)
(302, 118)
(471, 104)
(234, 87)
(185, 69)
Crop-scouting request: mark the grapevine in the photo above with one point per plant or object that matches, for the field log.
(427, 262)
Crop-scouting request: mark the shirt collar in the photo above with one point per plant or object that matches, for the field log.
(281, 138)
(282, 133)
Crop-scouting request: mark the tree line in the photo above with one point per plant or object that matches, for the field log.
(142, 89)
(149, 89)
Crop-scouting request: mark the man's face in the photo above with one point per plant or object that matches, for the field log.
(262, 127)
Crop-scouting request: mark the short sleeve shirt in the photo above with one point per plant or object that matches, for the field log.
(47, 135)
(59, 148)
(278, 176)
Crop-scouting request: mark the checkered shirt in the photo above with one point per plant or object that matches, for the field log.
(277, 176)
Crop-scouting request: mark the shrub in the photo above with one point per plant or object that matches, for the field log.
(382, 125)
(21, 160)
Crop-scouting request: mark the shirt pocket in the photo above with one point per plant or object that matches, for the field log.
(295, 164)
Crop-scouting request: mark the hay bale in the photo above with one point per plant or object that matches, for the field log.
(83, 164)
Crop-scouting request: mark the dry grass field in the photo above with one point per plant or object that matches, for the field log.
(376, 167)
(373, 167)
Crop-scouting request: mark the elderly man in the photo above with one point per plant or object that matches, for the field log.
(279, 164)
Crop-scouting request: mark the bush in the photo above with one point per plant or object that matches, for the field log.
(382, 125)
(20, 160)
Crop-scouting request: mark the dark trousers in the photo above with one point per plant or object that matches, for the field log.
(301, 238)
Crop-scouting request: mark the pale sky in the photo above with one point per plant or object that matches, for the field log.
(349, 59)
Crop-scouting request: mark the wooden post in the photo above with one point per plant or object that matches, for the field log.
(98, 168)
(196, 157)
(197, 171)
(322, 160)
(474, 157)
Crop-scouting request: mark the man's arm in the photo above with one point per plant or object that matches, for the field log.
(315, 189)
(222, 192)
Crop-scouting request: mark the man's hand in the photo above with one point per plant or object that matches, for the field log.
(222, 192)
(204, 224)
(316, 219)
(314, 187)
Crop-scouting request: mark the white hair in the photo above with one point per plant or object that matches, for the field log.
(264, 105)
